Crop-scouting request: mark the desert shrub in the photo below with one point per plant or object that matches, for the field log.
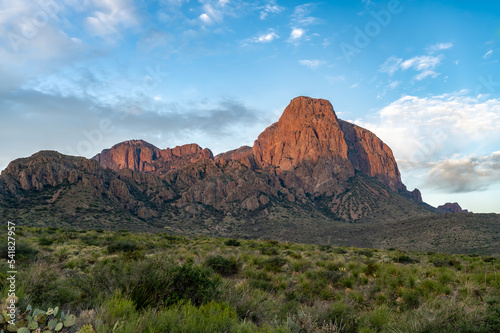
(115, 309)
(90, 240)
(186, 282)
(23, 250)
(121, 246)
(492, 320)
(301, 265)
(269, 251)
(188, 318)
(42, 286)
(340, 250)
(411, 299)
(222, 265)
(148, 283)
(345, 313)
(275, 264)
(370, 268)
(262, 284)
(325, 247)
(43, 241)
(365, 252)
(405, 259)
(378, 318)
(441, 261)
(232, 242)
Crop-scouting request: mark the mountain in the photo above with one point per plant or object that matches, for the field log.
(451, 208)
(308, 177)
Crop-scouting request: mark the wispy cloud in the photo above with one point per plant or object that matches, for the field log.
(488, 54)
(270, 8)
(301, 15)
(312, 64)
(439, 47)
(424, 64)
(391, 65)
(111, 17)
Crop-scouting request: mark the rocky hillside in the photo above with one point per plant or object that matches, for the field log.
(308, 171)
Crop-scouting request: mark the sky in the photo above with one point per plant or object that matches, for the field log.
(81, 76)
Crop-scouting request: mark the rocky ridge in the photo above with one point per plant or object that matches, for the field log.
(309, 162)
(451, 208)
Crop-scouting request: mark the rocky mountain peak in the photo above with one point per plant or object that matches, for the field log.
(307, 131)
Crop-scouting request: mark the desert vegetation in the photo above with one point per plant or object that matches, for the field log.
(143, 282)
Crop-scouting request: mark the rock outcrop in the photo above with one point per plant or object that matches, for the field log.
(139, 155)
(451, 208)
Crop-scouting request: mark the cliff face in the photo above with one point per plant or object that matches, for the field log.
(369, 155)
(138, 155)
(309, 132)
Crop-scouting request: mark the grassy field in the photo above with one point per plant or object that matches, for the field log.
(142, 282)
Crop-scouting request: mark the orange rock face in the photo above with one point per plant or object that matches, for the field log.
(307, 131)
(138, 155)
(369, 155)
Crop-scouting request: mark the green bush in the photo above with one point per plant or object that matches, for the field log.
(186, 282)
(222, 265)
(23, 250)
(405, 259)
(274, 264)
(121, 246)
(232, 242)
(45, 241)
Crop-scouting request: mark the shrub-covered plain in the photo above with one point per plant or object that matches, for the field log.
(142, 282)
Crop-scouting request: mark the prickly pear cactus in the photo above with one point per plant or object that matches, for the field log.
(39, 321)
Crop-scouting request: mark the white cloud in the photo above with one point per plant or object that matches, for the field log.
(296, 34)
(113, 16)
(391, 65)
(424, 64)
(270, 8)
(425, 130)
(394, 84)
(205, 18)
(301, 17)
(421, 63)
(266, 37)
(466, 174)
(488, 54)
(312, 64)
(439, 47)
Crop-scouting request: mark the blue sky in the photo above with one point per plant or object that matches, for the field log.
(80, 76)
